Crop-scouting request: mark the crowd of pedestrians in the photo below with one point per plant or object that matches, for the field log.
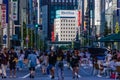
(52, 60)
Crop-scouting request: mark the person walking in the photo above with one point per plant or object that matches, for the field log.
(32, 59)
(60, 64)
(20, 60)
(75, 63)
(0, 63)
(52, 62)
(4, 62)
(13, 59)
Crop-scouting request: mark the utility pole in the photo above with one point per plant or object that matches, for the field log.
(8, 28)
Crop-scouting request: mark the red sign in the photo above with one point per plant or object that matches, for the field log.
(52, 38)
(79, 18)
(3, 15)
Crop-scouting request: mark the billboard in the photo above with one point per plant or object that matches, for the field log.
(14, 10)
(79, 18)
(66, 13)
(3, 15)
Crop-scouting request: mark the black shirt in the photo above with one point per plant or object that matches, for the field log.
(52, 59)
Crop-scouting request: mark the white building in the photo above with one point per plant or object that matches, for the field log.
(65, 25)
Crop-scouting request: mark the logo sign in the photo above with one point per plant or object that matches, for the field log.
(66, 13)
(14, 9)
(3, 15)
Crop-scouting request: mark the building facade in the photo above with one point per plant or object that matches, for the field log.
(66, 25)
(49, 8)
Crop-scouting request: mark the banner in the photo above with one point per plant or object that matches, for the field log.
(79, 18)
(14, 10)
(3, 15)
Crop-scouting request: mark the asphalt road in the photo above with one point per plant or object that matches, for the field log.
(85, 73)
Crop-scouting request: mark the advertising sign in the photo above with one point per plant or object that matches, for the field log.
(3, 15)
(14, 10)
(52, 38)
(66, 13)
(79, 18)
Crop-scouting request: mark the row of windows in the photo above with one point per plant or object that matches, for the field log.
(66, 39)
(68, 28)
(68, 35)
(67, 20)
(67, 31)
(65, 25)
(63, 0)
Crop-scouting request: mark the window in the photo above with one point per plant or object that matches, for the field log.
(59, 0)
(67, 1)
(63, 0)
(70, 1)
(55, 0)
(52, 0)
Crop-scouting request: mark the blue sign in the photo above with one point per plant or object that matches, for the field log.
(5, 36)
(15, 37)
(30, 25)
(4, 39)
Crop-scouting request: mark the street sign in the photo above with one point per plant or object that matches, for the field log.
(14, 37)
(3, 15)
(5, 36)
(4, 39)
(27, 39)
(30, 25)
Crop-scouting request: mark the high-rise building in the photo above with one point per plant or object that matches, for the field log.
(49, 8)
(65, 25)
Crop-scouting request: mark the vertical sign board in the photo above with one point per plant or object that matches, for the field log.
(15, 10)
(79, 18)
(3, 15)
(52, 36)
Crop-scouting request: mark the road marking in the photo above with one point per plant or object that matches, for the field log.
(75, 73)
(39, 65)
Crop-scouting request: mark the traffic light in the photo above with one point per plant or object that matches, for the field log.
(36, 25)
